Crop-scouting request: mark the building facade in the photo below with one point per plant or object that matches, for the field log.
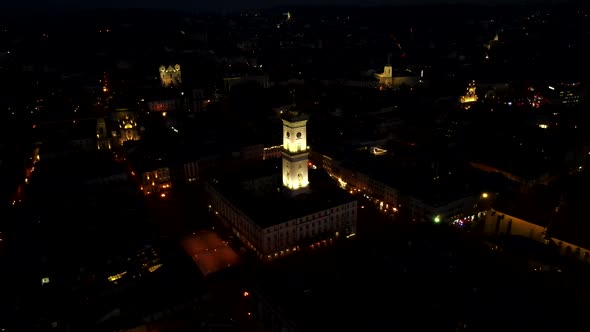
(307, 231)
(499, 223)
(301, 226)
(470, 96)
(272, 152)
(295, 155)
(170, 76)
(393, 199)
(156, 181)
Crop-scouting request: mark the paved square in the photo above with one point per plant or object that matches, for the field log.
(209, 252)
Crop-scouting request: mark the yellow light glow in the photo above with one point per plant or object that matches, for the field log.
(543, 126)
(484, 195)
(154, 268)
(246, 294)
(116, 276)
(163, 195)
(471, 95)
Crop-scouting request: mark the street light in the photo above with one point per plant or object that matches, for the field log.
(484, 195)
(436, 219)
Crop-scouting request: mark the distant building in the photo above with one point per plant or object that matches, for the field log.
(526, 177)
(170, 76)
(567, 94)
(169, 101)
(164, 105)
(272, 152)
(388, 79)
(102, 135)
(128, 129)
(121, 127)
(150, 166)
(274, 210)
(534, 220)
(470, 96)
(230, 82)
(156, 181)
(422, 194)
(81, 136)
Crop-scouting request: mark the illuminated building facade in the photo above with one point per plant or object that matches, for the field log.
(127, 127)
(163, 105)
(387, 79)
(116, 130)
(156, 181)
(273, 227)
(470, 97)
(274, 224)
(295, 154)
(170, 76)
(375, 184)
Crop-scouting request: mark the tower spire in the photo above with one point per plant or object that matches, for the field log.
(293, 100)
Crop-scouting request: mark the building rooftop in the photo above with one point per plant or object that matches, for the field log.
(435, 180)
(271, 206)
(537, 206)
(293, 115)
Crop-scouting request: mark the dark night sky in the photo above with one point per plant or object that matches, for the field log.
(24, 6)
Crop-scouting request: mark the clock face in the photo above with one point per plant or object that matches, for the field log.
(288, 135)
(298, 135)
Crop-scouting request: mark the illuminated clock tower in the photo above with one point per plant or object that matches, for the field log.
(295, 154)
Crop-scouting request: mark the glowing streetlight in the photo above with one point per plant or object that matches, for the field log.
(436, 219)
(484, 195)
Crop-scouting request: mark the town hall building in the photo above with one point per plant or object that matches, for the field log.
(279, 208)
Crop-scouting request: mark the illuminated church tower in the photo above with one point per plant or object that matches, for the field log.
(295, 154)
(470, 96)
(170, 76)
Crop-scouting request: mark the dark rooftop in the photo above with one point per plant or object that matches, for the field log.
(271, 206)
(435, 180)
(294, 115)
(537, 206)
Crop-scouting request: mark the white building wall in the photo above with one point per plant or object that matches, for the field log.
(277, 240)
(327, 224)
(497, 223)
